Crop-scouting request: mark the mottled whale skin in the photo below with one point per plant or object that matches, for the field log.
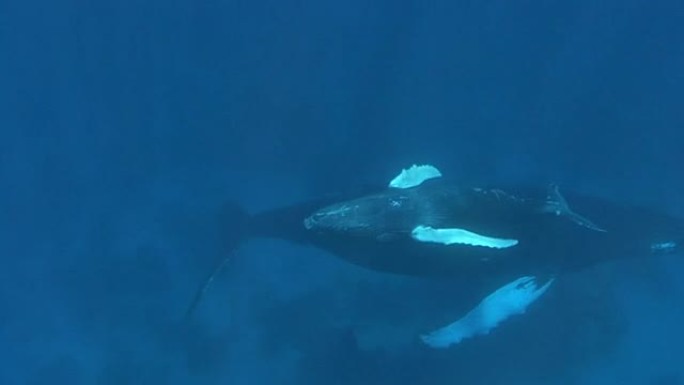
(374, 230)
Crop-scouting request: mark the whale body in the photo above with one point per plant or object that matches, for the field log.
(509, 241)
(376, 230)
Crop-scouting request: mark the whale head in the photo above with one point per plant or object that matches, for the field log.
(370, 215)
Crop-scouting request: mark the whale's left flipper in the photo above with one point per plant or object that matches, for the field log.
(556, 204)
(509, 300)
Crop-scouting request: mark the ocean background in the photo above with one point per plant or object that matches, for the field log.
(126, 125)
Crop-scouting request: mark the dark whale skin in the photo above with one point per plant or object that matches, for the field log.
(375, 232)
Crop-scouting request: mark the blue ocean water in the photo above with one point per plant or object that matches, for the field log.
(125, 126)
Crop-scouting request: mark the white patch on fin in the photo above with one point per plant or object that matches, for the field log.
(509, 300)
(414, 176)
(556, 204)
(459, 236)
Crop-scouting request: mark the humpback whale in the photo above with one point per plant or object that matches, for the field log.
(512, 240)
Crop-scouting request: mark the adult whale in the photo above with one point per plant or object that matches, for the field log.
(516, 239)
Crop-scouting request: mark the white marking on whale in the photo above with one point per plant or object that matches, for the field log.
(460, 237)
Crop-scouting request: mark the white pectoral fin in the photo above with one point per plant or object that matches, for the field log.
(452, 236)
(414, 176)
(509, 300)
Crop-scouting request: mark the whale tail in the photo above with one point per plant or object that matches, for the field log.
(233, 227)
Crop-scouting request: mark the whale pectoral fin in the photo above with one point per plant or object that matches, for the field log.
(507, 301)
(556, 204)
(414, 176)
(457, 236)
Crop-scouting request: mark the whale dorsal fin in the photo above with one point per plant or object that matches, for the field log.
(414, 176)
(556, 204)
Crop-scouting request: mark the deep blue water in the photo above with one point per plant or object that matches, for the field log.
(125, 125)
